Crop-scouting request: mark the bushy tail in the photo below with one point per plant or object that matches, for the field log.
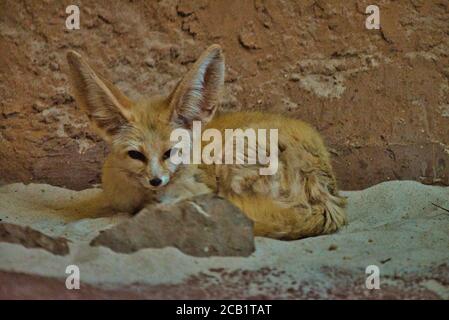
(272, 220)
(317, 211)
(334, 213)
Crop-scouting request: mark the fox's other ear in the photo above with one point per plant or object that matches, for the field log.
(107, 108)
(197, 95)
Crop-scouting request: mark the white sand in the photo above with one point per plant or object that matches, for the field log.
(393, 222)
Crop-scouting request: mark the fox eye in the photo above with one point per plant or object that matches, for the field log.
(136, 155)
(166, 154)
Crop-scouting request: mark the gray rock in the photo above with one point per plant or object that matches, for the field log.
(31, 238)
(205, 225)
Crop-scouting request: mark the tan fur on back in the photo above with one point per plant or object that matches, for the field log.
(301, 199)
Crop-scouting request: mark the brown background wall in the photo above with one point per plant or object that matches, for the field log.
(380, 98)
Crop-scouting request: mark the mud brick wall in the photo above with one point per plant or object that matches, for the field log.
(379, 97)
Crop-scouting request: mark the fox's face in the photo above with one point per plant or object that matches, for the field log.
(142, 147)
(139, 132)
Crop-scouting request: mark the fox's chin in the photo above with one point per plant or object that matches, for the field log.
(148, 186)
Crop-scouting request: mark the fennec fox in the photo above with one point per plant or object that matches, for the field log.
(301, 199)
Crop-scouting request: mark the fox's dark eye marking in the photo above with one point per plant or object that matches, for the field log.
(136, 155)
(166, 154)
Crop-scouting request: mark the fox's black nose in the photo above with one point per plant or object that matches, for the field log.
(155, 182)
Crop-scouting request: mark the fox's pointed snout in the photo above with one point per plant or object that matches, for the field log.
(155, 182)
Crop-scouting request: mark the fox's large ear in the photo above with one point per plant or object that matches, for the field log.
(107, 108)
(197, 95)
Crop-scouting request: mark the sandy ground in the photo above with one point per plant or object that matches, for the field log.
(393, 225)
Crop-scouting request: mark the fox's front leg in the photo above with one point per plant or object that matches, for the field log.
(123, 194)
(180, 192)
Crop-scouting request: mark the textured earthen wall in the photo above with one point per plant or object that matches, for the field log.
(380, 97)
